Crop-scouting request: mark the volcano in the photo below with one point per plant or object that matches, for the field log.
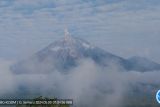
(64, 54)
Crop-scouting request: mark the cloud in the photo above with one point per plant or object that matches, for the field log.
(31, 25)
(88, 84)
(6, 77)
(124, 27)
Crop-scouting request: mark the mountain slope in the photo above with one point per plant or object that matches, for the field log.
(64, 54)
(143, 64)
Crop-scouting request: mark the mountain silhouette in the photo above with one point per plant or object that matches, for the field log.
(64, 54)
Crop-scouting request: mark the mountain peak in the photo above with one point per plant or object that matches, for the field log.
(67, 36)
(64, 54)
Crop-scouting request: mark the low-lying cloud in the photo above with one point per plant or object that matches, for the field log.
(89, 85)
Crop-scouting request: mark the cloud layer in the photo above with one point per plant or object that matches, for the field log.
(123, 27)
(88, 84)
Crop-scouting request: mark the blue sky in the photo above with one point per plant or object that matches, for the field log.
(123, 27)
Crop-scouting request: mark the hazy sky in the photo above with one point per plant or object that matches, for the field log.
(123, 27)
